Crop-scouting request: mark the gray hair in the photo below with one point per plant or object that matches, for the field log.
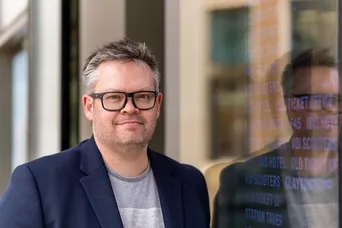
(123, 50)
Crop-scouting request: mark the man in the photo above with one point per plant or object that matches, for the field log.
(112, 179)
(296, 184)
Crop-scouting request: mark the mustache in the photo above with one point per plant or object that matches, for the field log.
(132, 118)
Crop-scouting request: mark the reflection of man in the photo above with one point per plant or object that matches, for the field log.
(296, 184)
(112, 179)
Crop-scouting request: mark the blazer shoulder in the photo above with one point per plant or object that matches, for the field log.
(232, 170)
(62, 160)
(192, 170)
(183, 169)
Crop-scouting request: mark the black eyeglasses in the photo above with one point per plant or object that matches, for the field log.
(115, 101)
(316, 102)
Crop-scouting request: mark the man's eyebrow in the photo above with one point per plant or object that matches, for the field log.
(121, 91)
(108, 90)
(146, 89)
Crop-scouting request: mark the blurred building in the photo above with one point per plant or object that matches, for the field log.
(14, 86)
(209, 51)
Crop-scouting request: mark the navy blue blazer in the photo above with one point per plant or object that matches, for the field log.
(72, 189)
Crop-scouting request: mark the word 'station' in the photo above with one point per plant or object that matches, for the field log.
(265, 217)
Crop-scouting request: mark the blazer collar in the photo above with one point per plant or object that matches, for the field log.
(97, 186)
(99, 191)
(169, 189)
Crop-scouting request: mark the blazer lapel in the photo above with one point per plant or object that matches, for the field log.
(97, 186)
(169, 190)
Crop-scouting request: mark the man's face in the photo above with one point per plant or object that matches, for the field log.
(320, 81)
(128, 126)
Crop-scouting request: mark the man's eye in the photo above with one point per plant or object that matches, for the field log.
(114, 97)
(142, 96)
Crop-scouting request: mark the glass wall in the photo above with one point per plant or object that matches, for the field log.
(271, 83)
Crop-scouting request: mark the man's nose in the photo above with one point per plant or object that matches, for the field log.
(129, 107)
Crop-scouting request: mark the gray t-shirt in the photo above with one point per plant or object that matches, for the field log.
(314, 209)
(138, 200)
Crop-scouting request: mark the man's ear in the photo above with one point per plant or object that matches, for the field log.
(87, 102)
(159, 102)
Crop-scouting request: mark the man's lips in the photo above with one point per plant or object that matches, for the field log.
(129, 122)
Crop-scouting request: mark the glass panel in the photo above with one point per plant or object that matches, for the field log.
(19, 109)
(274, 78)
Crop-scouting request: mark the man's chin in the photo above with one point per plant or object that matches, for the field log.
(131, 141)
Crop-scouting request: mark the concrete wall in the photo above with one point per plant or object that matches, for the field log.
(45, 49)
(5, 121)
(13, 19)
(194, 132)
(10, 10)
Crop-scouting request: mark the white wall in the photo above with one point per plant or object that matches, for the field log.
(13, 20)
(5, 120)
(45, 52)
(10, 10)
(194, 131)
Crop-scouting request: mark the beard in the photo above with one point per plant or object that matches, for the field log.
(123, 138)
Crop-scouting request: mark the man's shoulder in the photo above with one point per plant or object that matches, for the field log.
(56, 162)
(185, 170)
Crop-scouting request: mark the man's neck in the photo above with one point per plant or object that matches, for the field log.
(127, 161)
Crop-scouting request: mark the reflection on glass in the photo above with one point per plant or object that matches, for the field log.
(285, 171)
(228, 103)
(19, 109)
(228, 34)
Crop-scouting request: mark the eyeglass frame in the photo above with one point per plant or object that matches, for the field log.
(127, 95)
